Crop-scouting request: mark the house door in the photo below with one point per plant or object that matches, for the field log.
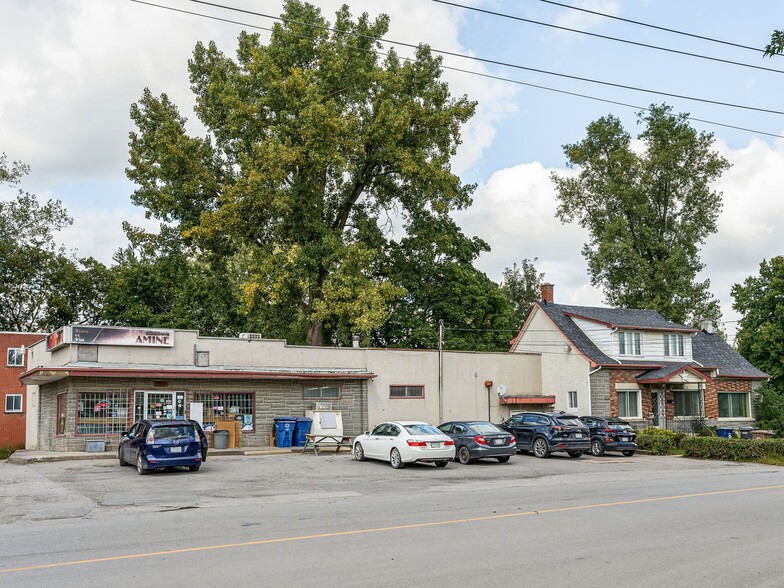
(657, 408)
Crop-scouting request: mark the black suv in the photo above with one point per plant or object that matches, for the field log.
(610, 435)
(545, 432)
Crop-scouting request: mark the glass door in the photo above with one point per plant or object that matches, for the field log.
(154, 404)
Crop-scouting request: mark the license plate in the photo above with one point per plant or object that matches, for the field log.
(624, 438)
(435, 444)
(578, 435)
(175, 449)
(498, 441)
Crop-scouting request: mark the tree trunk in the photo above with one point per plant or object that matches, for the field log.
(316, 333)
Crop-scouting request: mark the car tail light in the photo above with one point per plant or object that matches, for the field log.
(480, 439)
(608, 431)
(557, 428)
(447, 443)
(512, 441)
(150, 437)
(415, 443)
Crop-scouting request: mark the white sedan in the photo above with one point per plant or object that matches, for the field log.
(402, 442)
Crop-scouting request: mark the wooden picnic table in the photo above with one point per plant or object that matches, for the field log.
(316, 442)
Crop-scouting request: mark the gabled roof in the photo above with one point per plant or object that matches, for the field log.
(708, 350)
(667, 372)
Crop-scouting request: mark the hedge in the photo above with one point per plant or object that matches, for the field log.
(657, 441)
(732, 449)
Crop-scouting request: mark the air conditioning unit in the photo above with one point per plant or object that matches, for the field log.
(251, 336)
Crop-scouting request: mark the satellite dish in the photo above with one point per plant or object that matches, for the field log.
(501, 389)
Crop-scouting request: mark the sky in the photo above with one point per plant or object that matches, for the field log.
(70, 70)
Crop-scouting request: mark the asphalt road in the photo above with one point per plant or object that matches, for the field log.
(328, 521)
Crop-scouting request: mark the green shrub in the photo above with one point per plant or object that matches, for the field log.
(708, 431)
(7, 450)
(732, 449)
(657, 441)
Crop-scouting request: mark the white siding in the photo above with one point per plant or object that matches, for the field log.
(601, 335)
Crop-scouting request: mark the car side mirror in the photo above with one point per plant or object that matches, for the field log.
(366, 433)
(124, 434)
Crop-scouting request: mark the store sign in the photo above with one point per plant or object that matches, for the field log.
(122, 336)
(56, 339)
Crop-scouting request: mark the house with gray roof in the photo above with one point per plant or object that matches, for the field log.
(637, 365)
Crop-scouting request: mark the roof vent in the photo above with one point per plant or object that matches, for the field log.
(251, 336)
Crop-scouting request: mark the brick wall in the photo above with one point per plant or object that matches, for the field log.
(12, 425)
(272, 398)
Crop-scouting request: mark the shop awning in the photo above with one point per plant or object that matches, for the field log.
(526, 399)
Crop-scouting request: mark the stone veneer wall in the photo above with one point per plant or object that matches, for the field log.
(272, 398)
(600, 393)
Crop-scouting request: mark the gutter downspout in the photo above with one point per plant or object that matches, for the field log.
(590, 408)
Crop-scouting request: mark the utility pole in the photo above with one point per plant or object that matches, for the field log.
(440, 371)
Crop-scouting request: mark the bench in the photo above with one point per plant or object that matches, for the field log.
(316, 442)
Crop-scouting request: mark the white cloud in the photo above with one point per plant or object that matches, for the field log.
(584, 21)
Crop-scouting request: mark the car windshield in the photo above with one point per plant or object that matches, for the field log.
(173, 432)
(485, 428)
(423, 429)
(570, 421)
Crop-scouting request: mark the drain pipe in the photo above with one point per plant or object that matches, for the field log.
(590, 408)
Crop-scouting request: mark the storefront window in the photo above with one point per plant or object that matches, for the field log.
(102, 413)
(220, 406)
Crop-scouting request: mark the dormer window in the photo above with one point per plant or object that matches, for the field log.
(673, 345)
(629, 343)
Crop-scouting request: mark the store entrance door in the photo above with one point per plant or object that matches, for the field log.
(161, 405)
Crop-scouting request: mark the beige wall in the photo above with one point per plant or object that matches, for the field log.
(562, 370)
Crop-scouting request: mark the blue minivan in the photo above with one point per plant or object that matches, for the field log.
(154, 444)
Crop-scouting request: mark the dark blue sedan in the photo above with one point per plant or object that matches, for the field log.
(478, 439)
(154, 444)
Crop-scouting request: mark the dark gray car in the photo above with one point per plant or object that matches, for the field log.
(478, 439)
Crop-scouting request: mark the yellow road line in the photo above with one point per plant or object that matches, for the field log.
(393, 528)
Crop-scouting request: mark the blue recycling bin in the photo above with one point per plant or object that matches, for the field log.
(302, 429)
(726, 433)
(284, 430)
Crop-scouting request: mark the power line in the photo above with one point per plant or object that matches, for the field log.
(660, 28)
(497, 62)
(606, 37)
(476, 73)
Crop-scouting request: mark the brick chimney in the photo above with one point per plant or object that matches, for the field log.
(547, 292)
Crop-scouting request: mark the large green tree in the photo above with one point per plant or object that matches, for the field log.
(760, 337)
(647, 209)
(313, 142)
(776, 45)
(41, 287)
(522, 285)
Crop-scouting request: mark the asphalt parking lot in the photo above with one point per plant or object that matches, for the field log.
(72, 489)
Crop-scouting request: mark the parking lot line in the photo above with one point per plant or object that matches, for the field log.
(391, 528)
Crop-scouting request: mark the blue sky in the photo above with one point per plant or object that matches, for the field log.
(71, 69)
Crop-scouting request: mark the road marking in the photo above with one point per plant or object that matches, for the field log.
(387, 529)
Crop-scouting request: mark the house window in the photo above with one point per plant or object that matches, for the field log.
(733, 405)
(572, 399)
(13, 403)
(630, 343)
(321, 392)
(687, 403)
(226, 406)
(673, 345)
(15, 357)
(62, 407)
(629, 404)
(102, 413)
(406, 391)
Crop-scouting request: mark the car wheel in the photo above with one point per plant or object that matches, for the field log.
(441, 464)
(628, 453)
(463, 455)
(503, 459)
(540, 447)
(194, 468)
(575, 454)
(395, 460)
(120, 457)
(359, 453)
(140, 466)
(597, 448)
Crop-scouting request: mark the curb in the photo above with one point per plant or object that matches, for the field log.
(28, 457)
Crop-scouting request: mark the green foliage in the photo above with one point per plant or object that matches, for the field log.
(647, 212)
(657, 441)
(522, 286)
(776, 45)
(732, 449)
(313, 142)
(41, 287)
(708, 431)
(7, 450)
(760, 337)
